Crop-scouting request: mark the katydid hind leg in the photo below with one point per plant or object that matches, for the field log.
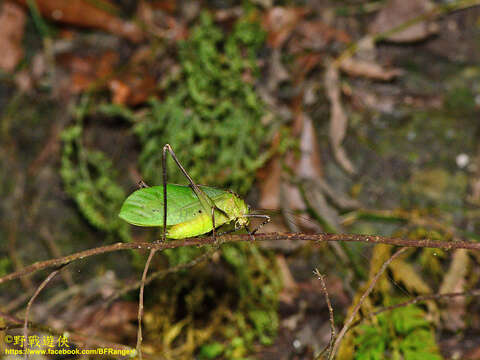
(164, 175)
(213, 226)
(204, 199)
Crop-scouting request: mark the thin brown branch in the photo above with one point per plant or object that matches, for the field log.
(17, 302)
(323, 287)
(350, 319)
(140, 304)
(373, 239)
(30, 302)
(54, 250)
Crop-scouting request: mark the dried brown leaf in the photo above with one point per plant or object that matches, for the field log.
(454, 281)
(276, 71)
(372, 70)
(12, 21)
(304, 64)
(279, 22)
(84, 13)
(406, 274)
(317, 34)
(269, 183)
(160, 23)
(398, 12)
(132, 89)
(338, 118)
(87, 71)
(380, 254)
(289, 289)
(473, 354)
(113, 323)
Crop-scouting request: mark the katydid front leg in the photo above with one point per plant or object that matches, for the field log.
(266, 221)
(252, 233)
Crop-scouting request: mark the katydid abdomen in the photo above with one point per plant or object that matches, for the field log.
(186, 217)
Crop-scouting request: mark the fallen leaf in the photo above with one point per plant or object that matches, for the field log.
(165, 5)
(310, 164)
(161, 24)
(316, 34)
(113, 323)
(304, 64)
(276, 71)
(356, 67)
(12, 21)
(120, 91)
(86, 71)
(228, 14)
(454, 281)
(23, 80)
(269, 178)
(474, 196)
(289, 290)
(132, 89)
(473, 354)
(84, 13)
(398, 12)
(279, 22)
(406, 274)
(338, 118)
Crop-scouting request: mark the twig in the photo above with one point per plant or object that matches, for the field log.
(12, 247)
(373, 239)
(30, 302)
(54, 250)
(17, 302)
(323, 287)
(140, 303)
(350, 319)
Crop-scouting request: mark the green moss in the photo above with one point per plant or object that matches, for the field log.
(89, 178)
(210, 115)
(437, 188)
(403, 333)
(460, 100)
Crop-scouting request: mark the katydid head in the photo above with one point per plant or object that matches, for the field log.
(242, 209)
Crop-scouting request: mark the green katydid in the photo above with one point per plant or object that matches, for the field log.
(186, 212)
(189, 211)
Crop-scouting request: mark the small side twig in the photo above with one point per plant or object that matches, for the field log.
(32, 299)
(140, 303)
(323, 287)
(350, 319)
(55, 251)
